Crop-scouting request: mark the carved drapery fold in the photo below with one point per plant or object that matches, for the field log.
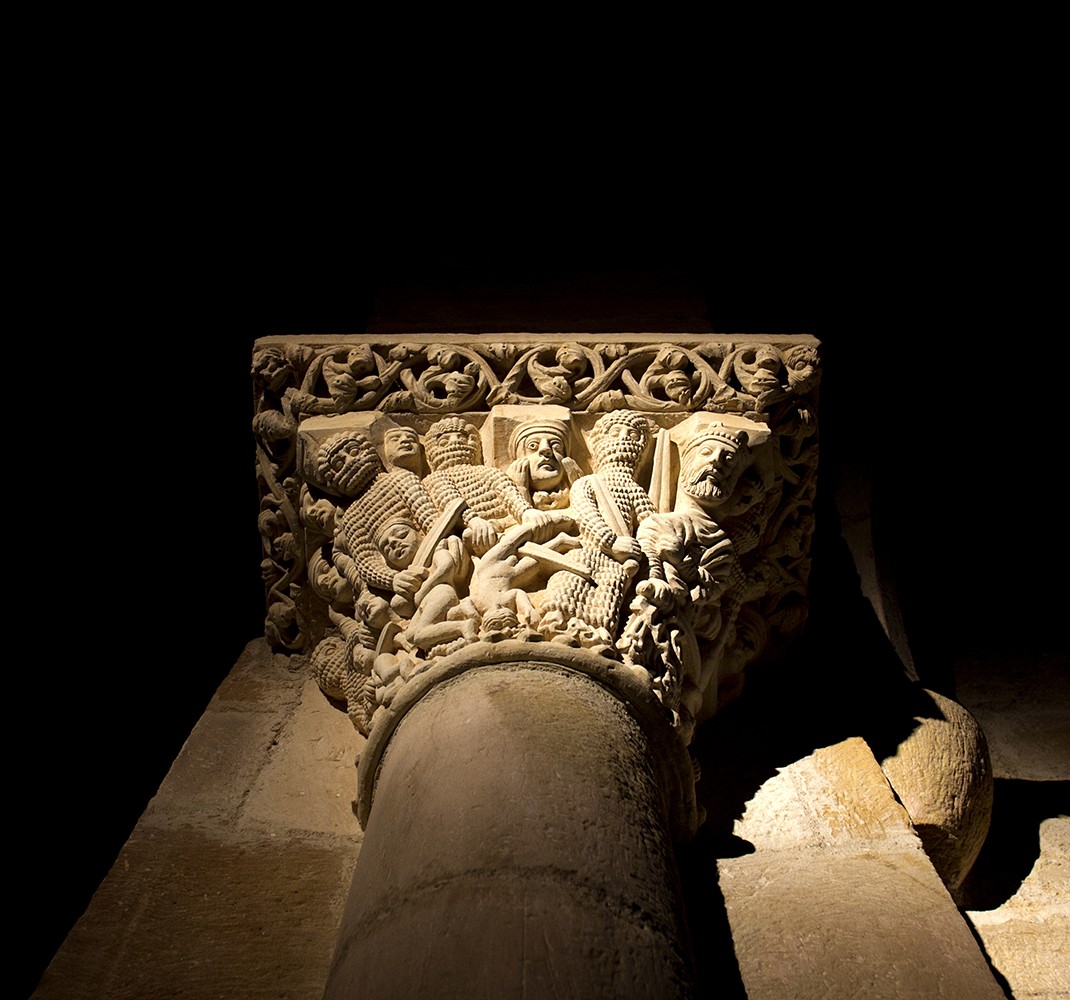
(646, 501)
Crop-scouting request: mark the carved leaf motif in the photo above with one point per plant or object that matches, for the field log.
(449, 380)
(549, 374)
(671, 379)
(551, 576)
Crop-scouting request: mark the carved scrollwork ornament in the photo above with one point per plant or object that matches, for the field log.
(643, 502)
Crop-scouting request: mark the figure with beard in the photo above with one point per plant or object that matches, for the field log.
(492, 500)
(607, 507)
(350, 464)
(682, 612)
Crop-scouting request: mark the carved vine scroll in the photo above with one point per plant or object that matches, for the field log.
(649, 501)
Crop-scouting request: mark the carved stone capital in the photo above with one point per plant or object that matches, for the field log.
(644, 502)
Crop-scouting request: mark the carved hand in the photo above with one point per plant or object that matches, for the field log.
(480, 535)
(407, 581)
(625, 548)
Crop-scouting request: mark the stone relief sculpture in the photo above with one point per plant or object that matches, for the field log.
(607, 507)
(637, 512)
(685, 607)
(649, 504)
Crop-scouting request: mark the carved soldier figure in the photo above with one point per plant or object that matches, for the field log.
(385, 497)
(492, 500)
(607, 506)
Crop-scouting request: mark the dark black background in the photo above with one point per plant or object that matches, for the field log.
(144, 585)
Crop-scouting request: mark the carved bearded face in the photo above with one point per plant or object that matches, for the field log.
(401, 446)
(346, 463)
(452, 442)
(710, 468)
(620, 439)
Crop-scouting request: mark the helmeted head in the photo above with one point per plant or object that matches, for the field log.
(620, 438)
(452, 441)
(346, 463)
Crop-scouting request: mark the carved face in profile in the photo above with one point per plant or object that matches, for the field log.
(319, 514)
(401, 447)
(758, 370)
(458, 384)
(711, 466)
(543, 452)
(326, 581)
(398, 541)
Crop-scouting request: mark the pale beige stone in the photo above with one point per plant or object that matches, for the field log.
(1028, 938)
(838, 898)
(185, 914)
(369, 431)
(943, 776)
(309, 781)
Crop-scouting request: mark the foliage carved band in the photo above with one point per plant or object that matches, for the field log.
(644, 500)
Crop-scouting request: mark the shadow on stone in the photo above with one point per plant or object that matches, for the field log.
(1013, 844)
(716, 966)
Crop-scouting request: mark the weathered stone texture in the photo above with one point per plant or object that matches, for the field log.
(232, 885)
(838, 898)
(518, 846)
(186, 915)
(942, 774)
(309, 780)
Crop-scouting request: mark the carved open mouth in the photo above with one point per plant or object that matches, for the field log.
(766, 381)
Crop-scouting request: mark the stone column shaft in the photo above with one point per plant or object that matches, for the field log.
(519, 846)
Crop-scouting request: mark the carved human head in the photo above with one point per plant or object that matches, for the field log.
(801, 363)
(451, 441)
(620, 438)
(401, 449)
(540, 450)
(712, 462)
(326, 581)
(346, 463)
(397, 539)
(271, 369)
